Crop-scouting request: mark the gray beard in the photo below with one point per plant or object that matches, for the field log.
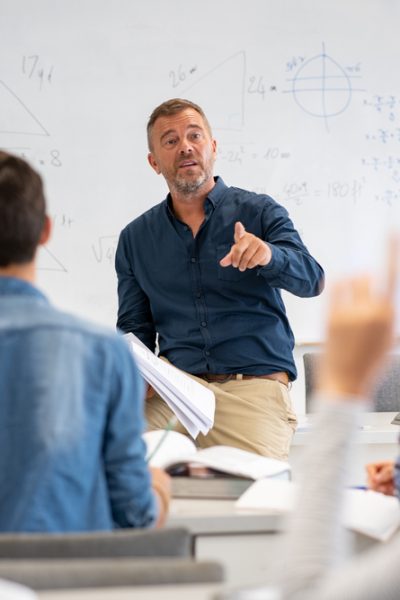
(188, 188)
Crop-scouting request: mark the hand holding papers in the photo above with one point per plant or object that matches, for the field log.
(192, 403)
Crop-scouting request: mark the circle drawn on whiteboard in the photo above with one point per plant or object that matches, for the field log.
(322, 88)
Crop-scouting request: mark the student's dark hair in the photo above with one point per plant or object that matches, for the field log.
(173, 107)
(22, 210)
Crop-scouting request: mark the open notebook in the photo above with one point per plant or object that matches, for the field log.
(177, 450)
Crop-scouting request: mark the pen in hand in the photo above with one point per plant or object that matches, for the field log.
(170, 425)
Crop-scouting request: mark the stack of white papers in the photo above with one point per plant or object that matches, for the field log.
(192, 403)
(370, 513)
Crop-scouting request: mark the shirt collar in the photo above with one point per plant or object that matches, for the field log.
(13, 286)
(214, 196)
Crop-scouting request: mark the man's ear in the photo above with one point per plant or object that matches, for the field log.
(46, 231)
(214, 146)
(153, 163)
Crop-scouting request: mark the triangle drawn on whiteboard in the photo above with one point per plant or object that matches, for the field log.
(48, 262)
(15, 116)
(226, 84)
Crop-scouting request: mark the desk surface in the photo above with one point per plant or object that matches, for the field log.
(218, 517)
(375, 428)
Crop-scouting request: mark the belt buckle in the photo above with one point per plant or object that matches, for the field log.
(229, 377)
(210, 378)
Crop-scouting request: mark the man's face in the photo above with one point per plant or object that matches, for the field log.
(183, 151)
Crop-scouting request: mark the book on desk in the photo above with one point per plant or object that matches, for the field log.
(215, 472)
(396, 420)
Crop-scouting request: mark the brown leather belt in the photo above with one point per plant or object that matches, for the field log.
(280, 376)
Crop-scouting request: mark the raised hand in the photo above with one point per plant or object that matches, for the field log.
(360, 332)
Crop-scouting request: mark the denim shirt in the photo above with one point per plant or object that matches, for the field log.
(211, 318)
(71, 417)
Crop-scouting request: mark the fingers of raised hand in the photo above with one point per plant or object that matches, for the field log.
(239, 231)
(249, 252)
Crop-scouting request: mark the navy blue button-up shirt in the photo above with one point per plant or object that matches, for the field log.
(211, 318)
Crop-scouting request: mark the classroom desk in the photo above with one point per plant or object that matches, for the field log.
(377, 439)
(241, 540)
(244, 541)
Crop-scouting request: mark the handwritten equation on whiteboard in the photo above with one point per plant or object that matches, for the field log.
(383, 142)
(317, 86)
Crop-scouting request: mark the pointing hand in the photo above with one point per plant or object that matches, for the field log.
(247, 252)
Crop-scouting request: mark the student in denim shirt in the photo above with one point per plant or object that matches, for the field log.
(71, 412)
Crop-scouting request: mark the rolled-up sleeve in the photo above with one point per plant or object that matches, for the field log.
(291, 267)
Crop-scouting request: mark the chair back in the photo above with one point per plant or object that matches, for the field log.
(50, 574)
(386, 395)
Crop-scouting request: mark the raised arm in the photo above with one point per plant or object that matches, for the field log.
(291, 267)
(360, 332)
(278, 253)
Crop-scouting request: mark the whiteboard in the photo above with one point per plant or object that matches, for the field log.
(303, 97)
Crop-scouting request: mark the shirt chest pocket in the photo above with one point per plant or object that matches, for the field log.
(230, 273)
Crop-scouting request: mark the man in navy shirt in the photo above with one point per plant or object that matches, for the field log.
(71, 453)
(203, 271)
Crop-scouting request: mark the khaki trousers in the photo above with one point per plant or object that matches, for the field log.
(252, 414)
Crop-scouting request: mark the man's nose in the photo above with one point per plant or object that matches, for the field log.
(185, 147)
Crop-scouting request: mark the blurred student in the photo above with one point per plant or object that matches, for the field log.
(360, 333)
(312, 563)
(71, 399)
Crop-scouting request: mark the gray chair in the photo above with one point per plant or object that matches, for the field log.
(46, 574)
(170, 542)
(103, 559)
(386, 396)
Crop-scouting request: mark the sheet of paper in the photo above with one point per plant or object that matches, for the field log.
(193, 403)
(174, 447)
(372, 514)
(277, 495)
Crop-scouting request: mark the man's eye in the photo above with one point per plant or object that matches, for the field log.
(170, 142)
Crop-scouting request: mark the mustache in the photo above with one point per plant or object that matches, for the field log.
(183, 160)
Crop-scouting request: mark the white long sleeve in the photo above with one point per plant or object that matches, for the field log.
(312, 545)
